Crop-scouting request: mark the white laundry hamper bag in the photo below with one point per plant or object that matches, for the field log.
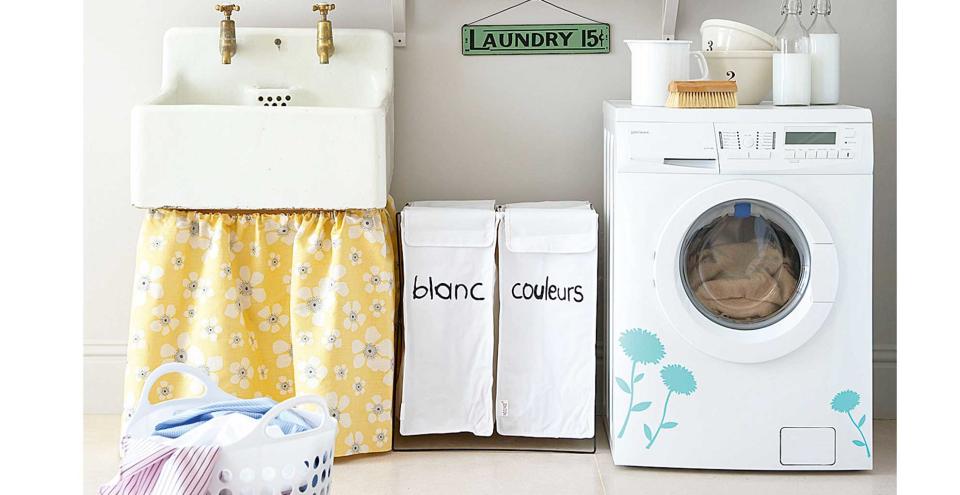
(546, 357)
(295, 464)
(449, 276)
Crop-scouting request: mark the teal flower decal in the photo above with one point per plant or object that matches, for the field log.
(679, 380)
(844, 403)
(643, 347)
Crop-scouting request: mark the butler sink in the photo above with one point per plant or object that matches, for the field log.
(274, 129)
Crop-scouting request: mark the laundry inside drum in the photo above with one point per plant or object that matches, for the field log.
(744, 264)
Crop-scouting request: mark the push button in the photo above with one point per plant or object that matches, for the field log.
(846, 154)
(832, 154)
(821, 154)
(790, 154)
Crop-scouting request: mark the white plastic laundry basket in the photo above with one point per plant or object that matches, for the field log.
(548, 295)
(449, 274)
(257, 464)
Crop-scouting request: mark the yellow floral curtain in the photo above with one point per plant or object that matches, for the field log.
(271, 304)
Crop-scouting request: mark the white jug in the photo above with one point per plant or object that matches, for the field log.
(654, 63)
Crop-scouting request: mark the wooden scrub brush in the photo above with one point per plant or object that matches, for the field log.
(702, 94)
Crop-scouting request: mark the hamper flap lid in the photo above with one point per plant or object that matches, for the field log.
(550, 230)
(453, 226)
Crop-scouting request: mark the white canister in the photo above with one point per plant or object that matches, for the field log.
(654, 63)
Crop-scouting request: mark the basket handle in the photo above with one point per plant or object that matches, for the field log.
(288, 404)
(210, 388)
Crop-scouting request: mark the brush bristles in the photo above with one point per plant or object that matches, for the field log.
(705, 99)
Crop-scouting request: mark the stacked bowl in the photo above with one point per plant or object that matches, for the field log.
(742, 53)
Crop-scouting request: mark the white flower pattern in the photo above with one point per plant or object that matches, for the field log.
(355, 442)
(312, 371)
(331, 284)
(376, 307)
(197, 233)
(241, 372)
(147, 285)
(380, 437)
(378, 410)
(284, 385)
(282, 228)
(282, 351)
(311, 304)
(337, 405)
(272, 318)
(373, 352)
(190, 285)
(176, 353)
(317, 244)
(354, 317)
(332, 340)
(377, 280)
(165, 319)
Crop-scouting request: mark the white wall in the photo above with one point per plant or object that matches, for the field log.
(508, 128)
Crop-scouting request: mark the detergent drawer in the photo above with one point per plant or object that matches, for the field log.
(656, 147)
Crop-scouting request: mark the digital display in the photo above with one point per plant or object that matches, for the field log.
(811, 138)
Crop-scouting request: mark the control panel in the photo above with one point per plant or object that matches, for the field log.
(699, 147)
(835, 144)
(784, 147)
(746, 141)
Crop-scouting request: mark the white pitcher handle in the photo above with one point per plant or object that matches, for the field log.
(702, 63)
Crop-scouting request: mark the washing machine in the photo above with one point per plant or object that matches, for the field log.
(738, 286)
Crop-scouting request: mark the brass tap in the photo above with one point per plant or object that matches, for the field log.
(324, 32)
(228, 33)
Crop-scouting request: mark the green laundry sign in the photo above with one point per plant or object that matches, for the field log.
(536, 39)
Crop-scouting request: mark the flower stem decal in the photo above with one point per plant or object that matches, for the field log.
(642, 347)
(678, 380)
(845, 402)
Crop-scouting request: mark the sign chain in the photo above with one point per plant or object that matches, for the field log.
(528, 1)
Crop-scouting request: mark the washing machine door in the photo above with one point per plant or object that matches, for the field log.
(746, 271)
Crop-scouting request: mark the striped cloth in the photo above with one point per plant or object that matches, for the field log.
(150, 467)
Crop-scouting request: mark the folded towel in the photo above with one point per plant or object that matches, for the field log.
(743, 280)
(288, 422)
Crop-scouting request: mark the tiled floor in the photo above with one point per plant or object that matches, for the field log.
(466, 473)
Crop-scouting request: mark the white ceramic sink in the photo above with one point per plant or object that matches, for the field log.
(216, 137)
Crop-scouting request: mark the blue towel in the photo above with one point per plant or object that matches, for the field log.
(288, 421)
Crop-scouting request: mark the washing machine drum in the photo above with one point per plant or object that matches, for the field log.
(744, 264)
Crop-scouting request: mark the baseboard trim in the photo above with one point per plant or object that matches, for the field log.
(885, 353)
(105, 348)
(885, 381)
(103, 368)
